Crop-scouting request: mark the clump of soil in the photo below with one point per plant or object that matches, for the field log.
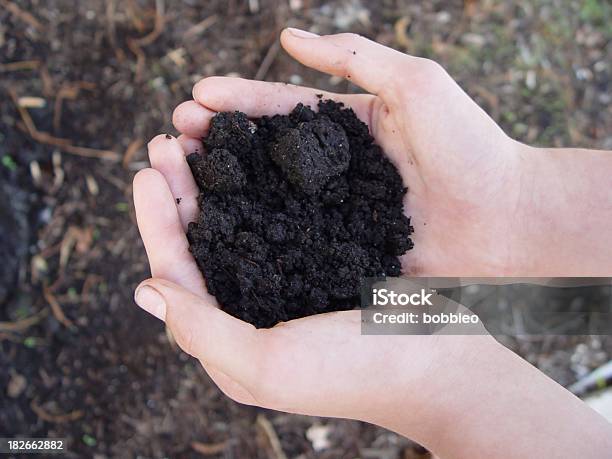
(295, 210)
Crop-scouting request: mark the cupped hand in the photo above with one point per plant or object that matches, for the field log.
(463, 175)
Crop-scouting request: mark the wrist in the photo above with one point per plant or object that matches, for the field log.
(480, 399)
(529, 221)
(564, 208)
(425, 408)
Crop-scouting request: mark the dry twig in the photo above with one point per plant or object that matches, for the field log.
(56, 308)
(47, 81)
(131, 150)
(62, 144)
(208, 449)
(23, 324)
(55, 418)
(134, 14)
(19, 65)
(31, 102)
(81, 237)
(22, 15)
(136, 44)
(67, 91)
(267, 61)
(140, 59)
(268, 429)
(110, 22)
(401, 32)
(158, 28)
(90, 281)
(200, 27)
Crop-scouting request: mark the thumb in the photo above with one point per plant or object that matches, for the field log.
(347, 55)
(201, 330)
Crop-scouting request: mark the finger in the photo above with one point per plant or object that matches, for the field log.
(162, 233)
(192, 119)
(168, 157)
(149, 300)
(362, 61)
(202, 330)
(259, 98)
(190, 144)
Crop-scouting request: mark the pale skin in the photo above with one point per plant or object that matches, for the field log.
(482, 205)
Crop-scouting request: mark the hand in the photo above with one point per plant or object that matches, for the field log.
(463, 174)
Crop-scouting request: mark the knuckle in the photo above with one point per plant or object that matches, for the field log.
(352, 37)
(425, 78)
(431, 67)
(428, 71)
(350, 43)
(352, 40)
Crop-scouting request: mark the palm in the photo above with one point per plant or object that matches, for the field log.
(459, 167)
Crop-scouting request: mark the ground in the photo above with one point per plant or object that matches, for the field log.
(84, 85)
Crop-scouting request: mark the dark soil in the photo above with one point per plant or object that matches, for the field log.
(11, 241)
(295, 210)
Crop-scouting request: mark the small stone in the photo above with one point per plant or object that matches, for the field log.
(16, 385)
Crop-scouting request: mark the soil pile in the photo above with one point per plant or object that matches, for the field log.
(295, 210)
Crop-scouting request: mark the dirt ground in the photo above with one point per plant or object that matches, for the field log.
(83, 86)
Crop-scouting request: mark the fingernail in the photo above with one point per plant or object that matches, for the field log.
(151, 301)
(299, 33)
